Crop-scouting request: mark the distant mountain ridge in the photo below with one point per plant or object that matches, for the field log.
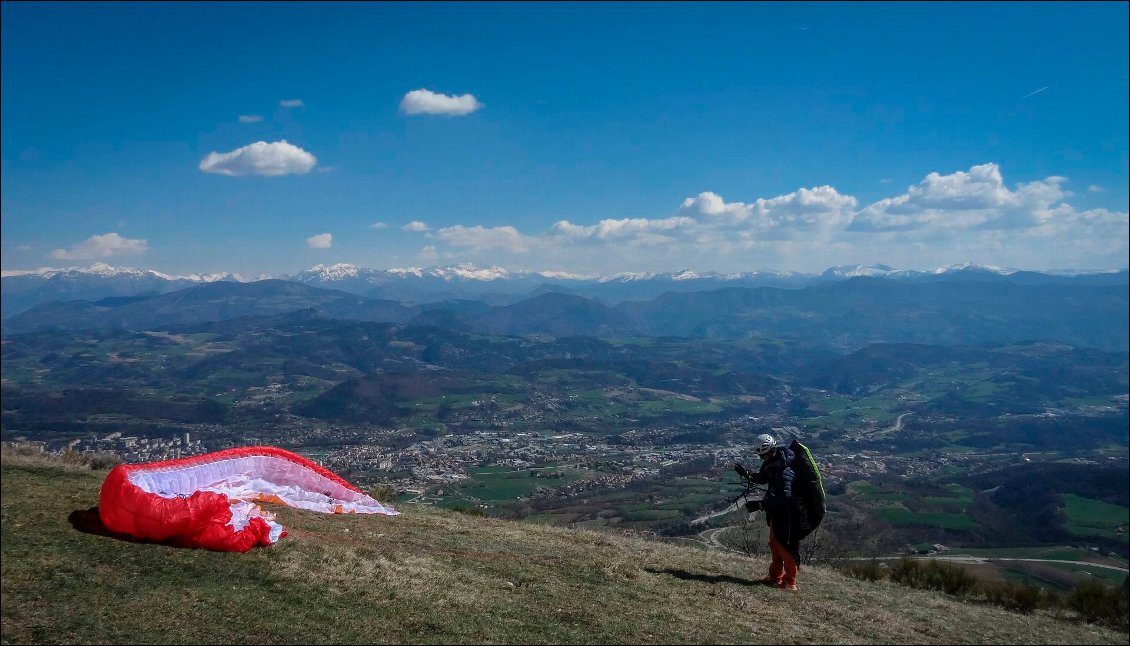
(216, 301)
(846, 314)
(23, 290)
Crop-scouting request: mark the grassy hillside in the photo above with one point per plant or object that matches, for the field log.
(433, 577)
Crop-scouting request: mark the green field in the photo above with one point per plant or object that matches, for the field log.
(959, 500)
(843, 410)
(676, 405)
(902, 517)
(1061, 553)
(1086, 517)
(867, 492)
(662, 501)
(502, 484)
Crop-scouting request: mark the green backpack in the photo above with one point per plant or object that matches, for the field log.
(808, 485)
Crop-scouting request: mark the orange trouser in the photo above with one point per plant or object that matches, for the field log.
(784, 566)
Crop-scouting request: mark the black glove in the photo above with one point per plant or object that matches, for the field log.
(753, 505)
(741, 470)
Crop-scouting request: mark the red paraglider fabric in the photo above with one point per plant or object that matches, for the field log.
(209, 500)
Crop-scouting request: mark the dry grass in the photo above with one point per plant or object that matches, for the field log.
(30, 455)
(431, 576)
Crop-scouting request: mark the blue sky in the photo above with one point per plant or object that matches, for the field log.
(588, 138)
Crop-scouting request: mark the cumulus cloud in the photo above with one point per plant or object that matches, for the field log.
(428, 102)
(803, 212)
(260, 158)
(946, 218)
(378, 225)
(963, 200)
(1094, 188)
(479, 238)
(711, 206)
(428, 254)
(628, 231)
(250, 118)
(102, 246)
(291, 103)
(320, 241)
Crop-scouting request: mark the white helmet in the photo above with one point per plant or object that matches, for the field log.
(764, 444)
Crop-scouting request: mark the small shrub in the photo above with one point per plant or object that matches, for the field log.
(934, 575)
(384, 493)
(469, 510)
(21, 449)
(870, 571)
(28, 453)
(1098, 602)
(101, 460)
(1023, 598)
(907, 572)
(72, 457)
(953, 579)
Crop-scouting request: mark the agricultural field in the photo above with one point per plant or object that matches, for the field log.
(1059, 575)
(1086, 517)
(944, 509)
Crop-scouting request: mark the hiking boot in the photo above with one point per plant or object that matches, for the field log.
(787, 586)
(769, 581)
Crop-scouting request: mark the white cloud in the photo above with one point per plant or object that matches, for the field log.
(428, 102)
(378, 225)
(479, 238)
(628, 231)
(713, 207)
(103, 246)
(804, 211)
(1094, 188)
(260, 158)
(320, 241)
(974, 217)
(291, 103)
(968, 216)
(428, 254)
(250, 118)
(962, 200)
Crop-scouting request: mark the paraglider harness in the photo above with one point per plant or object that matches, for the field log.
(808, 487)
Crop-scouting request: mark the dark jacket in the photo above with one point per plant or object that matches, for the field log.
(783, 512)
(777, 472)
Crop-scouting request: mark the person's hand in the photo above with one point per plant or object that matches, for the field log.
(741, 470)
(753, 505)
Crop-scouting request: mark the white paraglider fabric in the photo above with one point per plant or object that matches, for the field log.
(210, 500)
(259, 477)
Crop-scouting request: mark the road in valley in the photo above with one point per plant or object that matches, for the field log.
(710, 538)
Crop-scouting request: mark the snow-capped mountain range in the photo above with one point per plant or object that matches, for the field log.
(23, 290)
(104, 270)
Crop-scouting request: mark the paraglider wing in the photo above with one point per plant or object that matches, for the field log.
(210, 500)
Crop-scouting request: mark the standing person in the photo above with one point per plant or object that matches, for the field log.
(784, 516)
